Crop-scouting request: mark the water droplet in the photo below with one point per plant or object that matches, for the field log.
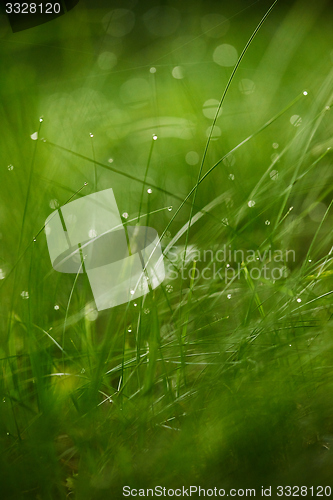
(296, 120)
(135, 304)
(229, 161)
(299, 300)
(169, 209)
(110, 160)
(246, 86)
(25, 295)
(34, 136)
(86, 183)
(107, 60)
(169, 288)
(267, 222)
(41, 119)
(34, 240)
(231, 177)
(146, 311)
(225, 221)
(149, 191)
(327, 108)
(275, 145)
(54, 203)
(10, 167)
(213, 132)
(310, 260)
(92, 233)
(154, 137)
(152, 69)
(228, 265)
(132, 292)
(125, 215)
(274, 175)
(91, 135)
(56, 307)
(210, 108)
(3, 400)
(8, 434)
(251, 203)
(2, 274)
(192, 158)
(178, 72)
(83, 370)
(305, 92)
(129, 330)
(229, 296)
(291, 208)
(225, 55)
(92, 315)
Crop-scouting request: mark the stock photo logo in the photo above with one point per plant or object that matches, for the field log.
(87, 236)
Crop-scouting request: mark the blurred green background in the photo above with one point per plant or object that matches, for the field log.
(243, 406)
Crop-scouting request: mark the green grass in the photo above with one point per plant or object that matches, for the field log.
(214, 382)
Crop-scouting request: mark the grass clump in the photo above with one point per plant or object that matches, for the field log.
(221, 376)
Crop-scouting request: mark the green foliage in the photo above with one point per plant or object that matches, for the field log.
(224, 381)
